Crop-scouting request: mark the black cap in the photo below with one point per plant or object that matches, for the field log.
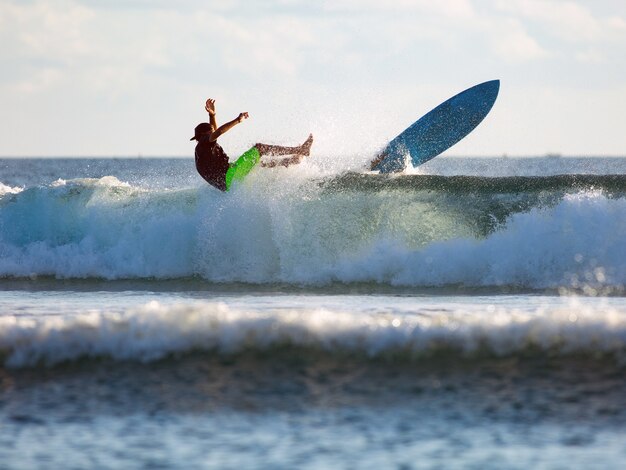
(200, 129)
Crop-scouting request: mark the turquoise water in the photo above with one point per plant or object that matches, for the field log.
(402, 324)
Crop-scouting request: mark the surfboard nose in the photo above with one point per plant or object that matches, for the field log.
(440, 128)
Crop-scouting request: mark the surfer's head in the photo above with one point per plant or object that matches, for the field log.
(202, 129)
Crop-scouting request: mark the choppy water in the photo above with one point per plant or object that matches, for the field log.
(469, 315)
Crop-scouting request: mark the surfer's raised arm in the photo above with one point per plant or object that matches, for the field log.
(210, 108)
(228, 126)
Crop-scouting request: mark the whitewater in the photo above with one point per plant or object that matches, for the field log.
(470, 313)
(403, 232)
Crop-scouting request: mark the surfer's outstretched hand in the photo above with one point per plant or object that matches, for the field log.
(210, 106)
(242, 116)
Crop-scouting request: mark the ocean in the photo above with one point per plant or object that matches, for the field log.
(469, 314)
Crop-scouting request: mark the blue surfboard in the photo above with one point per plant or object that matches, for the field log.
(439, 129)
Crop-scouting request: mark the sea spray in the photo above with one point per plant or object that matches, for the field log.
(303, 232)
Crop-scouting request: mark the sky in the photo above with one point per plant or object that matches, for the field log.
(130, 77)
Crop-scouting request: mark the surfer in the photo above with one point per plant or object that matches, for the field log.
(212, 162)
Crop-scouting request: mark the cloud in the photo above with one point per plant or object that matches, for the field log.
(43, 29)
(448, 8)
(115, 44)
(267, 46)
(567, 20)
(104, 48)
(40, 41)
(134, 58)
(514, 44)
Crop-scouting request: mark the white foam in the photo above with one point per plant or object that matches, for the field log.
(580, 242)
(276, 228)
(4, 189)
(154, 331)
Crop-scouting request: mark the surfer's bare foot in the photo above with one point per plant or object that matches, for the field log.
(377, 160)
(305, 148)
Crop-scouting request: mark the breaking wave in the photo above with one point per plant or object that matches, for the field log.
(156, 331)
(417, 230)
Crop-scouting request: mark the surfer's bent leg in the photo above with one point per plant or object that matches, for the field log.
(274, 150)
(277, 150)
(283, 162)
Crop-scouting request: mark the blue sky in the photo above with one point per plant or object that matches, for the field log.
(124, 77)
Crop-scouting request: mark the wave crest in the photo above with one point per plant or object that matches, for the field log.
(298, 232)
(155, 331)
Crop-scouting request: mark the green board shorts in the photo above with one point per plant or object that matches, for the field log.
(244, 164)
